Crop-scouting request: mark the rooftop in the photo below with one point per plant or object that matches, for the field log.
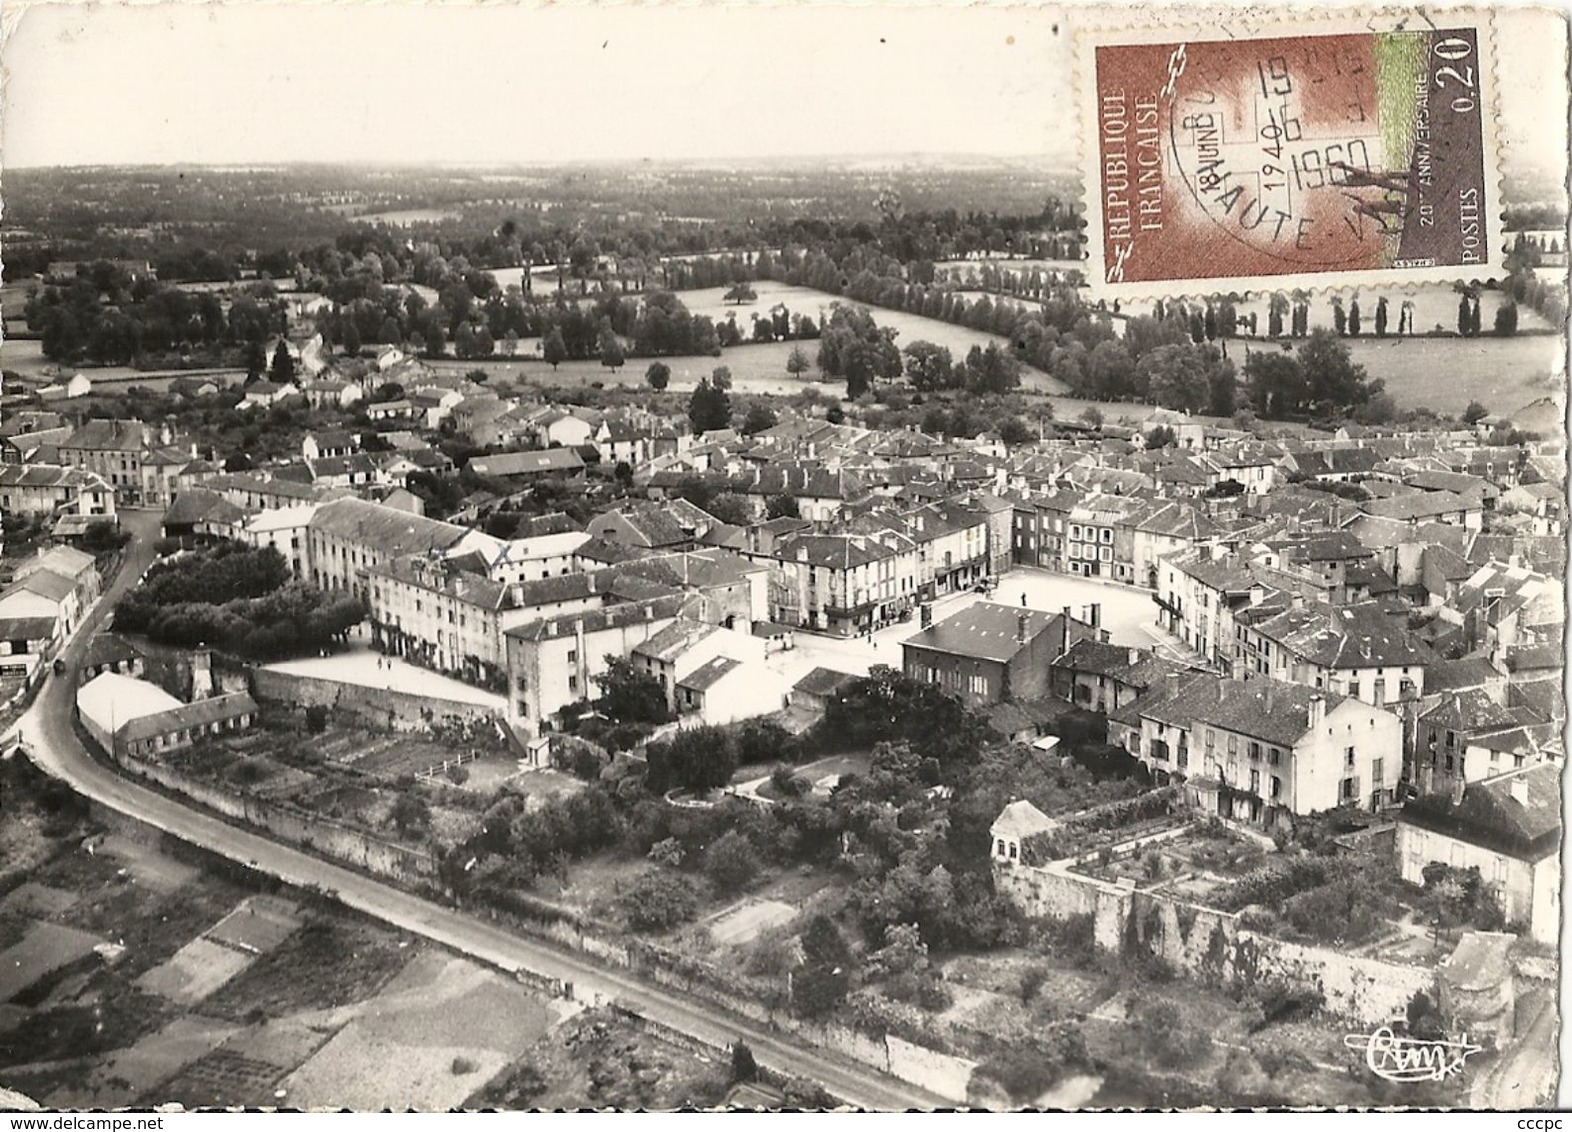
(986, 630)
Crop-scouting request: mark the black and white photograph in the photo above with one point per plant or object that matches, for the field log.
(781, 556)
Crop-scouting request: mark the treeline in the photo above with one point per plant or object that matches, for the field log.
(237, 599)
(105, 316)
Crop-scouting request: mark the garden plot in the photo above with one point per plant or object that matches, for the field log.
(34, 899)
(255, 927)
(744, 923)
(126, 1075)
(246, 1069)
(45, 948)
(440, 1030)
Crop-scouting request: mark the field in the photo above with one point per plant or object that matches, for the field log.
(1445, 374)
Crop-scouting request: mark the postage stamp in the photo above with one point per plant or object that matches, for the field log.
(1334, 154)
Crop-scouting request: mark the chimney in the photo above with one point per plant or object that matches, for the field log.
(1268, 699)
(1519, 788)
(1297, 601)
(1458, 787)
(201, 675)
(1257, 593)
(1020, 628)
(1135, 657)
(1096, 609)
(1173, 683)
(1317, 709)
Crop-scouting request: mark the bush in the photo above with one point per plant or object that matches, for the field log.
(657, 900)
(458, 775)
(787, 784)
(732, 862)
(743, 1065)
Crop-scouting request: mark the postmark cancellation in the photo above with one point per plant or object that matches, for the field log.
(1328, 153)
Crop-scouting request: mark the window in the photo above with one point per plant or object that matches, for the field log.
(1277, 787)
(573, 656)
(1211, 738)
(1274, 757)
(1255, 752)
(1075, 531)
(977, 685)
(1233, 744)
(1107, 535)
(1255, 782)
(573, 683)
(1348, 758)
(1377, 773)
(1350, 789)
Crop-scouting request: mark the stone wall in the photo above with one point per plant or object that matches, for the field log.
(308, 830)
(941, 1073)
(379, 707)
(1208, 945)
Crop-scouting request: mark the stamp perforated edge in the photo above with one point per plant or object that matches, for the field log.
(1165, 25)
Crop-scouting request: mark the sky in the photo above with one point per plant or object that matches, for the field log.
(245, 82)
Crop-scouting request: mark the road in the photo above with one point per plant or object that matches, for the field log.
(52, 744)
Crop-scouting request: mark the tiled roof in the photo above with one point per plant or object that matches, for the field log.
(1348, 636)
(823, 681)
(1490, 816)
(199, 713)
(709, 673)
(527, 463)
(385, 529)
(596, 620)
(1271, 710)
(986, 630)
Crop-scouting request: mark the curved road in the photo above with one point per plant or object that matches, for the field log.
(52, 744)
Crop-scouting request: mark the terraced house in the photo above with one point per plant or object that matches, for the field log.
(1354, 650)
(1261, 750)
(844, 584)
(348, 538)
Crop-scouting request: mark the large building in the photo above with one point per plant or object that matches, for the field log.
(348, 538)
(990, 653)
(1259, 749)
(128, 716)
(43, 489)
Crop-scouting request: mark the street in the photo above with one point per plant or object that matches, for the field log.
(53, 746)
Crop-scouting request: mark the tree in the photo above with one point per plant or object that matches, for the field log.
(658, 375)
(1380, 317)
(612, 355)
(798, 362)
(1091, 416)
(759, 417)
(1161, 437)
(930, 367)
(743, 1066)
(720, 377)
(992, 370)
(699, 759)
(731, 862)
(410, 813)
(657, 900)
(740, 293)
(1014, 432)
(731, 508)
(1506, 319)
(554, 348)
(1337, 384)
(628, 695)
(1464, 315)
(782, 506)
(709, 408)
(256, 360)
(282, 371)
(1353, 319)
(1474, 413)
(349, 343)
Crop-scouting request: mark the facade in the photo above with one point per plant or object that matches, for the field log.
(1256, 751)
(553, 662)
(991, 653)
(1509, 828)
(43, 489)
(348, 538)
(1354, 650)
(843, 584)
(425, 610)
(112, 450)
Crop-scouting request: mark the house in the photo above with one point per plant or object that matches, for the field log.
(545, 463)
(1017, 822)
(990, 653)
(435, 614)
(843, 584)
(78, 385)
(199, 516)
(112, 450)
(1501, 606)
(67, 562)
(1471, 734)
(552, 663)
(27, 640)
(620, 443)
(1261, 750)
(108, 652)
(44, 593)
(328, 443)
(1355, 650)
(819, 688)
(723, 690)
(264, 394)
(555, 427)
(398, 409)
(671, 525)
(1507, 827)
(1105, 677)
(685, 645)
(130, 716)
(331, 392)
